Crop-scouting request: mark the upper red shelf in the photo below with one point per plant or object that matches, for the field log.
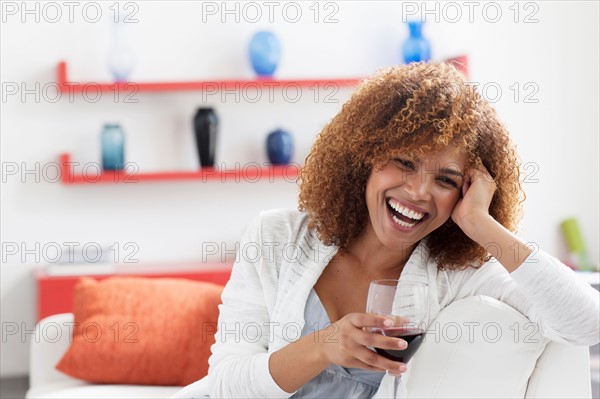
(67, 86)
(251, 173)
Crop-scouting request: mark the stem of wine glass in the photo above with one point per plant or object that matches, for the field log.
(396, 385)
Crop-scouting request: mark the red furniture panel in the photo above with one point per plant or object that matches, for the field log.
(55, 293)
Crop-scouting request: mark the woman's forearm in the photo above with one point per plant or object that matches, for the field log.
(297, 363)
(503, 245)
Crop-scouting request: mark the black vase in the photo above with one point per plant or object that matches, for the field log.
(206, 129)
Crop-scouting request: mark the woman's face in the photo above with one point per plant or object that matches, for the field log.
(411, 197)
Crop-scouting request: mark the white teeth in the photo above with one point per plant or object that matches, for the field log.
(416, 215)
(402, 223)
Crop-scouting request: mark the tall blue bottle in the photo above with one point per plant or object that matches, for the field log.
(416, 48)
(113, 147)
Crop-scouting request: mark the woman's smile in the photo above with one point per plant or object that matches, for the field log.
(403, 215)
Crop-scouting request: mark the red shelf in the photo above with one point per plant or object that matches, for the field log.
(251, 173)
(66, 86)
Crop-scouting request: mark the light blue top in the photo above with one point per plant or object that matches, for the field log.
(335, 381)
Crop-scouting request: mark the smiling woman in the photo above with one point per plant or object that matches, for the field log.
(401, 115)
(414, 180)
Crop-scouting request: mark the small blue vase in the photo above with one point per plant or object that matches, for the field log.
(280, 147)
(113, 147)
(264, 52)
(416, 48)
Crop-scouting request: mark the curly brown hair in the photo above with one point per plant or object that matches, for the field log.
(412, 109)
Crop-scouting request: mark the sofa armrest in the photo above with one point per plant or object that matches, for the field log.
(476, 347)
(481, 347)
(53, 335)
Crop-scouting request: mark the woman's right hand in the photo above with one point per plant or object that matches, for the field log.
(346, 343)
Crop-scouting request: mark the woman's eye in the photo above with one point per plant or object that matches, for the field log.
(404, 163)
(448, 181)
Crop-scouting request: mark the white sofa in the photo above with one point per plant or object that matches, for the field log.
(477, 347)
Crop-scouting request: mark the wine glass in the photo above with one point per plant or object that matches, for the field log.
(408, 300)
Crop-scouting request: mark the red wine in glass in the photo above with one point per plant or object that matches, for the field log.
(413, 338)
(408, 300)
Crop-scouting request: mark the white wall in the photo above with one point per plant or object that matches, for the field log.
(557, 136)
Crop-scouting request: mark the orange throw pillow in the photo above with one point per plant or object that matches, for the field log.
(137, 330)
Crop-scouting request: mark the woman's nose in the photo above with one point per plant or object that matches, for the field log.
(418, 186)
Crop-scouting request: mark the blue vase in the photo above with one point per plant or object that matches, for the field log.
(416, 48)
(280, 147)
(264, 52)
(113, 147)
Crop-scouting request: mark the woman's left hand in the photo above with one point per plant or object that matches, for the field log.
(477, 192)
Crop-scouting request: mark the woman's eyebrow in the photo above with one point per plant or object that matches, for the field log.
(453, 172)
